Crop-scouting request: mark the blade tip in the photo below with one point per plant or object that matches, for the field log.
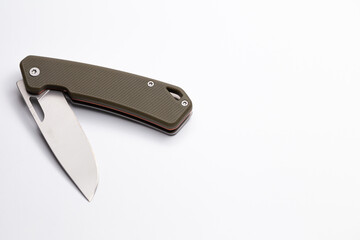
(90, 194)
(89, 198)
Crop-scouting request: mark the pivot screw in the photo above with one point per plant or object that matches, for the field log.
(34, 71)
(184, 103)
(151, 83)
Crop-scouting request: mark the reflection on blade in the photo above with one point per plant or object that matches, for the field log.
(65, 137)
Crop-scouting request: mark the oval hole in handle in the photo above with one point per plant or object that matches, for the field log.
(175, 93)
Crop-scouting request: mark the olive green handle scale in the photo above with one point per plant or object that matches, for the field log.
(157, 104)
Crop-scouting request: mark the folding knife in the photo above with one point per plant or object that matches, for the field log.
(52, 83)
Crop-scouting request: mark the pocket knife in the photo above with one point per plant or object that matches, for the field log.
(50, 84)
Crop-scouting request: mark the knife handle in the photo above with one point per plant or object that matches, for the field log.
(160, 104)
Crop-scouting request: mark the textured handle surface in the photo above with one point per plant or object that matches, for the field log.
(107, 88)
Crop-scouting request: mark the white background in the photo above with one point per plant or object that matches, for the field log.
(272, 148)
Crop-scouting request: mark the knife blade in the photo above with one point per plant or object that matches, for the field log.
(67, 140)
(50, 81)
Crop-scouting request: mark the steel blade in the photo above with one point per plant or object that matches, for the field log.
(65, 137)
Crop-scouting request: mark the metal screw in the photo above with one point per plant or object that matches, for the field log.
(184, 103)
(151, 83)
(34, 71)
